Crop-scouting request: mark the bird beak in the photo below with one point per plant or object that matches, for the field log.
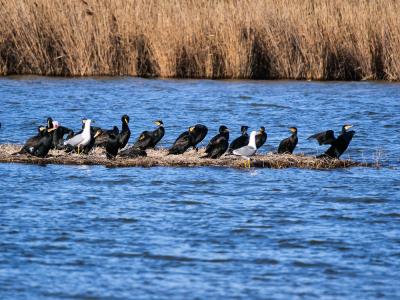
(51, 129)
(191, 129)
(97, 134)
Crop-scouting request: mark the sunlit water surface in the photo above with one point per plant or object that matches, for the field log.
(80, 232)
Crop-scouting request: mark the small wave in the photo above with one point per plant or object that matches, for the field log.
(269, 105)
(290, 244)
(389, 215)
(125, 220)
(366, 200)
(266, 261)
(303, 264)
(187, 202)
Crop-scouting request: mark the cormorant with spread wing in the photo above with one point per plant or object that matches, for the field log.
(338, 145)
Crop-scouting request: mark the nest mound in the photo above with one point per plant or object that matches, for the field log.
(159, 158)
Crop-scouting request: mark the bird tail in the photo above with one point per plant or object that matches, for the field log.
(22, 151)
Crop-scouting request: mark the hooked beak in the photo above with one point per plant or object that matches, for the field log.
(97, 134)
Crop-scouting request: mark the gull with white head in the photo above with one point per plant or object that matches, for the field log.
(82, 139)
(249, 150)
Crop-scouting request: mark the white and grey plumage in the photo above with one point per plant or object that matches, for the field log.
(250, 149)
(82, 139)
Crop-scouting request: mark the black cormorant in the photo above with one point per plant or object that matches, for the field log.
(125, 132)
(132, 152)
(184, 141)
(38, 145)
(218, 144)
(338, 145)
(58, 133)
(199, 133)
(241, 141)
(102, 139)
(287, 145)
(123, 135)
(261, 137)
(112, 146)
(149, 139)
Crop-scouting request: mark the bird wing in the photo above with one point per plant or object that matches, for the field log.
(324, 138)
(74, 141)
(284, 145)
(241, 141)
(181, 144)
(215, 140)
(158, 134)
(143, 140)
(200, 132)
(182, 141)
(217, 147)
(102, 138)
(245, 151)
(261, 138)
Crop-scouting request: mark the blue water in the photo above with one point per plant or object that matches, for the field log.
(90, 232)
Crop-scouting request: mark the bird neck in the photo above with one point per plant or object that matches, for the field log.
(86, 128)
(160, 129)
(252, 141)
(125, 126)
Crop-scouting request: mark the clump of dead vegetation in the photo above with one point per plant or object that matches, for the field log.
(189, 159)
(259, 39)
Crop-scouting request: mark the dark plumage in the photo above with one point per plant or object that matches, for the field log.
(218, 144)
(102, 139)
(38, 145)
(199, 133)
(261, 137)
(149, 139)
(112, 146)
(132, 152)
(125, 133)
(183, 142)
(241, 141)
(338, 145)
(289, 144)
(57, 135)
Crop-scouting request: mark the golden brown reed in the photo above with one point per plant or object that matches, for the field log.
(260, 39)
(159, 158)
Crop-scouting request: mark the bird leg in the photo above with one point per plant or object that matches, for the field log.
(78, 149)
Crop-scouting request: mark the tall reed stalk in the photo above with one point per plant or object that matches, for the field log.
(260, 39)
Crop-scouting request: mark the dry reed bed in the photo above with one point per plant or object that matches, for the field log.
(260, 39)
(159, 158)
